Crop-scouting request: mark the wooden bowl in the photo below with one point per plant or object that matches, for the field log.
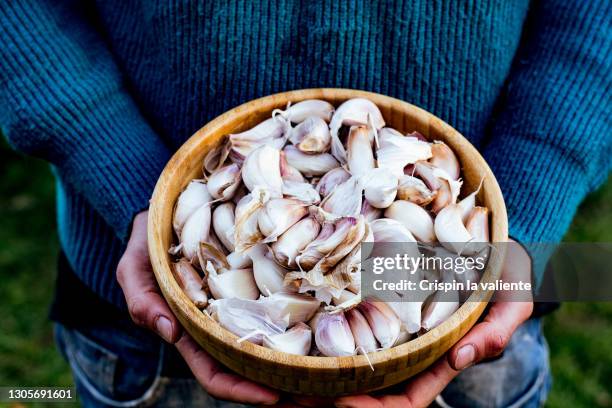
(324, 376)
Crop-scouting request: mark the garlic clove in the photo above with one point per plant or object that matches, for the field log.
(269, 276)
(271, 132)
(477, 224)
(223, 224)
(278, 215)
(331, 180)
(223, 183)
(262, 169)
(370, 213)
(364, 338)
(246, 230)
(451, 232)
(309, 164)
(395, 153)
(409, 314)
(311, 136)
(296, 340)
(303, 110)
(356, 111)
(233, 283)
(301, 191)
(217, 156)
(249, 319)
(413, 189)
(437, 310)
(414, 218)
(333, 336)
(426, 172)
(238, 260)
(444, 158)
(345, 200)
(380, 188)
(469, 202)
(315, 250)
(443, 197)
(390, 230)
(356, 229)
(314, 320)
(383, 321)
(288, 172)
(294, 240)
(193, 197)
(195, 230)
(294, 306)
(190, 281)
(360, 156)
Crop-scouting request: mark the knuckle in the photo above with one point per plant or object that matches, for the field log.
(497, 343)
(137, 307)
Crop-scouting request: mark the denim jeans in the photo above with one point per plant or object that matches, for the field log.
(115, 367)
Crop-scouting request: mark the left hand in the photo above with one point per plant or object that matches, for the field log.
(486, 339)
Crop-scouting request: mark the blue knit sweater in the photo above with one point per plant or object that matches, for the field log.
(106, 92)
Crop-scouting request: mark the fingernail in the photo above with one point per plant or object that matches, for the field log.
(164, 328)
(465, 357)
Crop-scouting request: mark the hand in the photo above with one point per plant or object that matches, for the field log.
(149, 309)
(486, 339)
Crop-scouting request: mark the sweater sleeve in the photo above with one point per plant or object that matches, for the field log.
(62, 100)
(550, 144)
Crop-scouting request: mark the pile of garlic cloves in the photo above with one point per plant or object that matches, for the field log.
(269, 240)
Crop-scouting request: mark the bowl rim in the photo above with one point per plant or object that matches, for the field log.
(182, 306)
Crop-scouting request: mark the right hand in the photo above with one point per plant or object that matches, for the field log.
(149, 309)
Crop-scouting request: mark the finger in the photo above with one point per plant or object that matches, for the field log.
(420, 391)
(221, 384)
(489, 338)
(307, 401)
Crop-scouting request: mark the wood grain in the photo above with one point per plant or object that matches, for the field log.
(327, 376)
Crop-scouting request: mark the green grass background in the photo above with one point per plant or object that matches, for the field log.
(579, 334)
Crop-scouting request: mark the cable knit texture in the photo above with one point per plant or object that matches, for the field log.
(106, 92)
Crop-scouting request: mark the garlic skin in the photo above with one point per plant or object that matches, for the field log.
(278, 215)
(296, 340)
(364, 338)
(315, 250)
(193, 197)
(380, 188)
(444, 158)
(382, 320)
(396, 152)
(217, 156)
(294, 307)
(414, 190)
(331, 180)
(269, 276)
(354, 112)
(451, 232)
(223, 224)
(346, 297)
(294, 240)
(301, 191)
(345, 200)
(311, 136)
(437, 311)
(223, 183)
(414, 218)
(469, 202)
(333, 336)
(247, 318)
(271, 132)
(303, 110)
(360, 156)
(426, 172)
(309, 164)
(191, 283)
(262, 169)
(195, 230)
(234, 283)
